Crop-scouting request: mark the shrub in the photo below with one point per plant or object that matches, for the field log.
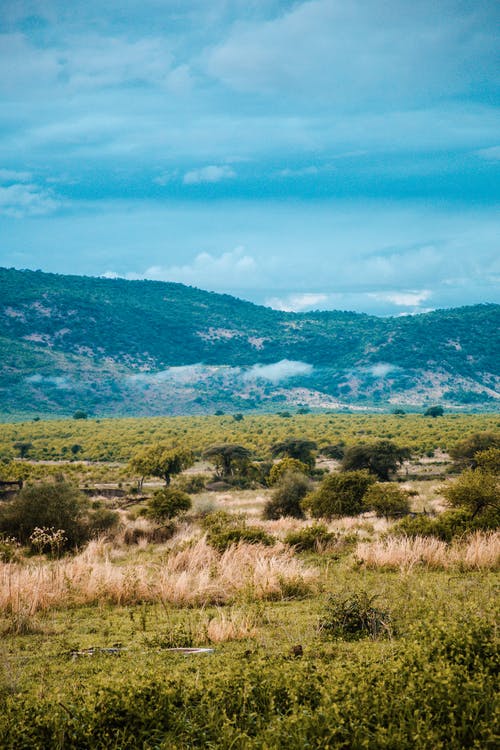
(476, 491)
(464, 452)
(353, 617)
(387, 500)
(168, 503)
(381, 458)
(225, 529)
(339, 495)
(286, 466)
(287, 496)
(311, 539)
(446, 526)
(488, 460)
(57, 505)
(191, 483)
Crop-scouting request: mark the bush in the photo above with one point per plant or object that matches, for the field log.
(168, 503)
(225, 529)
(58, 505)
(339, 495)
(464, 452)
(353, 617)
(477, 492)
(381, 458)
(446, 526)
(191, 483)
(287, 496)
(387, 500)
(286, 466)
(311, 539)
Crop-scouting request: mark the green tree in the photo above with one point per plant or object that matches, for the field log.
(477, 492)
(23, 447)
(161, 461)
(489, 460)
(285, 500)
(434, 411)
(285, 466)
(464, 452)
(229, 459)
(381, 458)
(168, 503)
(339, 495)
(80, 414)
(298, 448)
(388, 500)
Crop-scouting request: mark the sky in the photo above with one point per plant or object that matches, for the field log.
(328, 154)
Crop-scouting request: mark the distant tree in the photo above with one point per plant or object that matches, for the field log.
(76, 448)
(238, 417)
(399, 412)
(298, 448)
(228, 458)
(434, 411)
(168, 503)
(380, 458)
(464, 452)
(219, 413)
(334, 451)
(289, 491)
(161, 461)
(388, 500)
(339, 495)
(23, 448)
(79, 414)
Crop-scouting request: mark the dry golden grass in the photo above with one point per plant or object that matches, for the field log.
(480, 551)
(231, 625)
(194, 576)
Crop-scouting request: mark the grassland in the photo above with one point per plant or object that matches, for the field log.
(87, 651)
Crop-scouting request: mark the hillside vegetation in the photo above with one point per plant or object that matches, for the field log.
(113, 346)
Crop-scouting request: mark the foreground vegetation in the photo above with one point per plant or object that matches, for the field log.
(368, 623)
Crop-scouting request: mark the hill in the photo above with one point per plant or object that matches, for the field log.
(111, 346)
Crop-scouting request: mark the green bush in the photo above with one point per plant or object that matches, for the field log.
(339, 495)
(314, 538)
(225, 529)
(387, 500)
(58, 505)
(168, 503)
(287, 496)
(353, 617)
(191, 483)
(286, 466)
(446, 526)
(475, 491)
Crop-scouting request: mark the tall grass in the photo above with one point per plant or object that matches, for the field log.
(479, 551)
(195, 576)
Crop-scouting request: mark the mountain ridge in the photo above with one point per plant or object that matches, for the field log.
(73, 341)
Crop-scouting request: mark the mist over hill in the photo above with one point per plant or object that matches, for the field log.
(118, 347)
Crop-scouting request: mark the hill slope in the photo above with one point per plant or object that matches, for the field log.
(113, 346)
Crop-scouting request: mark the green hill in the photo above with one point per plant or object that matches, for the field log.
(112, 346)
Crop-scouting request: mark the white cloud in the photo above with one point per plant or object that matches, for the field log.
(296, 302)
(299, 172)
(211, 173)
(20, 200)
(403, 298)
(278, 371)
(11, 175)
(185, 375)
(381, 370)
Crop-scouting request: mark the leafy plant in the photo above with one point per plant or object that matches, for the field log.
(339, 495)
(353, 617)
(225, 529)
(168, 503)
(287, 495)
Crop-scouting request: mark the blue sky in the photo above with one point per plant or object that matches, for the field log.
(323, 154)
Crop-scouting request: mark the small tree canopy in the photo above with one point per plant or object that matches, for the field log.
(380, 458)
(168, 503)
(285, 466)
(298, 448)
(228, 458)
(388, 500)
(476, 491)
(161, 461)
(464, 452)
(291, 488)
(434, 411)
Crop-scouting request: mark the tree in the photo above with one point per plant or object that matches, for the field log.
(434, 411)
(228, 458)
(168, 503)
(489, 460)
(477, 492)
(339, 495)
(285, 466)
(464, 453)
(298, 448)
(23, 448)
(161, 461)
(335, 451)
(388, 500)
(285, 500)
(380, 458)
(80, 414)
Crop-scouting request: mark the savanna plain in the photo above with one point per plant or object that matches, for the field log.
(250, 581)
